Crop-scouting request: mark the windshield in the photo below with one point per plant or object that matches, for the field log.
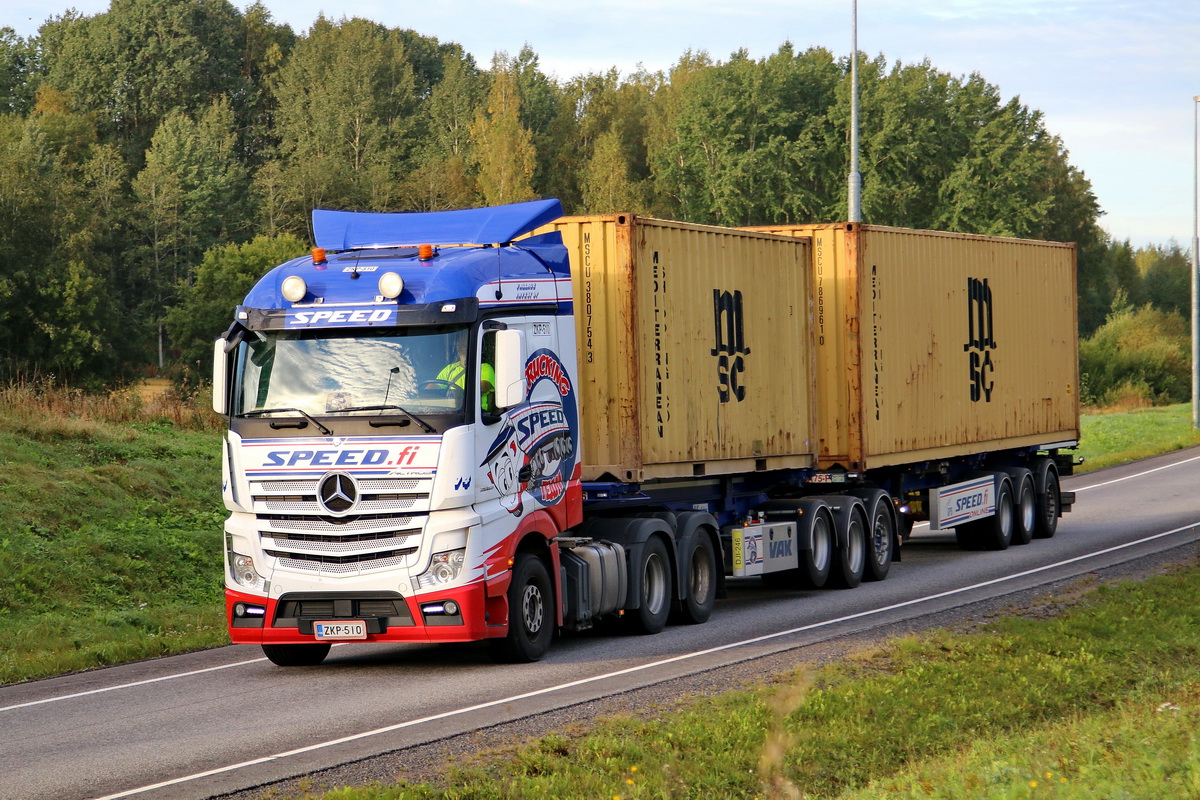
(351, 373)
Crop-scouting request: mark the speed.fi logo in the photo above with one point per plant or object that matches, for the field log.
(535, 452)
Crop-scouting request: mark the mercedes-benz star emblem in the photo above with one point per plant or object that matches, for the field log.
(337, 493)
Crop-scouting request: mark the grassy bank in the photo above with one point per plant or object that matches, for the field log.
(1120, 437)
(110, 532)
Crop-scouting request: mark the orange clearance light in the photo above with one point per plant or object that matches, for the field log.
(318, 254)
(425, 252)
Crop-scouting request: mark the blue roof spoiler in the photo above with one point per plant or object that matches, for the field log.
(350, 230)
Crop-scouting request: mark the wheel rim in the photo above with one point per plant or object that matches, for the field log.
(821, 545)
(1051, 500)
(881, 536)
(532, 608)
(654, 584)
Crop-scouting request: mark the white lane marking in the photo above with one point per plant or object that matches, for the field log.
(630, 670)
(1138, 474)
(131, 685)
(258, 660)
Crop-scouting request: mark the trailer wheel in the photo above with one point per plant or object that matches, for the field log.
(881, 541)
(296, 655)
(994, 532)
(1025, 505)
(654, 568)
(530, 613)
(816, 563)
(1048, 501)
(701, 580)
(850, 560)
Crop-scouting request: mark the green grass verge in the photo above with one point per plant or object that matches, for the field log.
(1101, 701)
(110, 544)
(1117, 438)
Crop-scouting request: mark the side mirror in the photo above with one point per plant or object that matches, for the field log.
(510, 368)
(220, 382)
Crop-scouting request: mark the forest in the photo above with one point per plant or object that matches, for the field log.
(158, 157)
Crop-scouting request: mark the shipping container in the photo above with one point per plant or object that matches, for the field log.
(931, 345)
(694, 348)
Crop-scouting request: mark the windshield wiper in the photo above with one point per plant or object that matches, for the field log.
(428, 428)
(260, 411)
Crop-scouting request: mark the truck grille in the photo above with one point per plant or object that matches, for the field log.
(384, 532)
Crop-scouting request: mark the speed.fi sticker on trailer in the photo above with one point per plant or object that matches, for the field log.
(962, 502)
(368, 456)
(535, 452)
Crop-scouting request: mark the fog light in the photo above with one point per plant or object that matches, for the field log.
(451, 607)
(239, 610)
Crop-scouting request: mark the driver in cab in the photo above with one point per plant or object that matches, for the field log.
(454, 374)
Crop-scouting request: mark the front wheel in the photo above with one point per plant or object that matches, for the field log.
(530, 613)
(296, 655)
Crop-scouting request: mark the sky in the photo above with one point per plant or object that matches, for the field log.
(1115, 79)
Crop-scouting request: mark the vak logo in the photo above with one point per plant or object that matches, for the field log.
(535, 452)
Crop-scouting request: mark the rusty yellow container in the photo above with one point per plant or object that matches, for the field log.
(694, 346)
(930, 345)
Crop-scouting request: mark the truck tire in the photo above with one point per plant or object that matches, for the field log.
(881, 539)
(994, 532)
(296, 655)
(1024, 506)
(850, 558)
(654, 567)
(530, 613)
(817, 561)
(700, 580)
(1049, 503)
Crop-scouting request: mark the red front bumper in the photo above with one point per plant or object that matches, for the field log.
(479, 617)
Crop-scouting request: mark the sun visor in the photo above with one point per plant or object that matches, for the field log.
(353, 230)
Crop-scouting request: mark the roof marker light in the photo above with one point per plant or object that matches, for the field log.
(391, 285)
(294, 288)
(318, 254)
(425, 252)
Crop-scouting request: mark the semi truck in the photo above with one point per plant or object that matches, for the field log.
(501, 424)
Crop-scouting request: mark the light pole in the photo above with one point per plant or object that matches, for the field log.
(854, 198)
(1195, 269)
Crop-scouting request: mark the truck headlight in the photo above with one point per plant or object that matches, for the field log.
(443, 569)
(243, 572)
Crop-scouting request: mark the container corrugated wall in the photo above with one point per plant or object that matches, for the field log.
(931, 344)
(694, 348)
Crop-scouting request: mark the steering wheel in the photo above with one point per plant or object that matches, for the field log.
(451, 389)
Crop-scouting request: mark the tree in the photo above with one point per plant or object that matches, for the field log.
(191, 194)
(504, 148)
(345, 102)
(1140, 353)
(20, 65)
(606, 182)
(206, 304)
(145, 59)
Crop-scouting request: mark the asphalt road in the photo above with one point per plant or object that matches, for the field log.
(223, 720)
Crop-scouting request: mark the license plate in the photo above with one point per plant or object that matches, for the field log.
(344, 629)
